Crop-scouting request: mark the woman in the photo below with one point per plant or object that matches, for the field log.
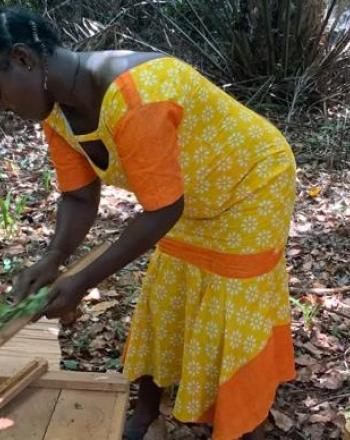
(216, 182)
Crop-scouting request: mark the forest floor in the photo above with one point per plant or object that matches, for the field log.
(315, 405)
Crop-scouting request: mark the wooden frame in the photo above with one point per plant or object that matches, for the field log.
(64, 405)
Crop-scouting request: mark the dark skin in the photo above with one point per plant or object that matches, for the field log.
(20, 86)
(81, 107)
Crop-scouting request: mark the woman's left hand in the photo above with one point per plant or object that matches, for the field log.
(64, 297)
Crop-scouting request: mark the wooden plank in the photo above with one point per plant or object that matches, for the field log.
(73, 380)
(17, 383)
(49, 330)
(82, 415)
(28, 333)
(83, 381)
(13, 360)
(119, 416)
(16, 360)
(37, 347)
(31, 413)
(13, 327)
(21, 349)
(44, 324)
(34, 348)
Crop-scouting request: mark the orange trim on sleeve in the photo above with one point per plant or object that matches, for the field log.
(72, 168)
(251, 390)
(127, 86)
(147, 144)
(224, 264)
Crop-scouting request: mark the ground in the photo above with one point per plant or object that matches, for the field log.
(312, 407)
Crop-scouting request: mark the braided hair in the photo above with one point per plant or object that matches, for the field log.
(18, 25)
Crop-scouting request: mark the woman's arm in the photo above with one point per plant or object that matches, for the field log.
(139, 236)
(76, 214)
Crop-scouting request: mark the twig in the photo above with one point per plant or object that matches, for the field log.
(143, 43)
(320, 290)
(55, 8)
(339, 396)
(300, 434)
(345, 358)
(336, 312)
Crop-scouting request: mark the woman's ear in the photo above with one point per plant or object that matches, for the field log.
(23, 55)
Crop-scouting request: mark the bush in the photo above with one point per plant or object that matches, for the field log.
(293, 53)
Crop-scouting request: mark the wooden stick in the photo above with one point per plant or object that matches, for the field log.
(17, 383)
(77, 267)
(15, 326)
(85, 261)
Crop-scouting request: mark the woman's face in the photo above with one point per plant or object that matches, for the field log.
(22, 84)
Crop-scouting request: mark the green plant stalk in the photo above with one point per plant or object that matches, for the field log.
(32, 305)
(46, 177)
(309, 311)
(7, 219)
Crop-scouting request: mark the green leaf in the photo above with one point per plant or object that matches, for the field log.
(113, 363)
(32, 305)
(71, 364)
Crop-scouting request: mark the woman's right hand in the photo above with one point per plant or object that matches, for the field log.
(42, 273)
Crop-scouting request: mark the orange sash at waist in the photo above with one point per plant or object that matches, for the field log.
(225, 264)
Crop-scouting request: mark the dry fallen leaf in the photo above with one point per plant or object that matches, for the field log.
(304, 374)
(282, 421)
(312, 349)
(331, 381)
(94, 294)
(166, 405)
(157, 431)
(325, 416)
(16, 249)
(305, 360)
(314, 191)
(100, 308)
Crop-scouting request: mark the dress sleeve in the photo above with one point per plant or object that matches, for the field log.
(147, 144)
(72, 168)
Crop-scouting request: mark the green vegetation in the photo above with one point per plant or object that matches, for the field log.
(288, 52)
(309, 311)
(285, 53)
(11, 210)
(47, 179)
(32, 305)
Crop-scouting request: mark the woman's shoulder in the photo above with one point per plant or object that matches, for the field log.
(106, 66)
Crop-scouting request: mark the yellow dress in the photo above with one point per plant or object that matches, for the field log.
(213, 315)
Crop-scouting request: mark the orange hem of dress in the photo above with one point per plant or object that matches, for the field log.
(224, 264)
(262, 376)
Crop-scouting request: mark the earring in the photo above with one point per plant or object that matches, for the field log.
(29, 68)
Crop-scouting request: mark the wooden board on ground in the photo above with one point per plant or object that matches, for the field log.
(35, 340)
(60, 405)
(66, 413)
